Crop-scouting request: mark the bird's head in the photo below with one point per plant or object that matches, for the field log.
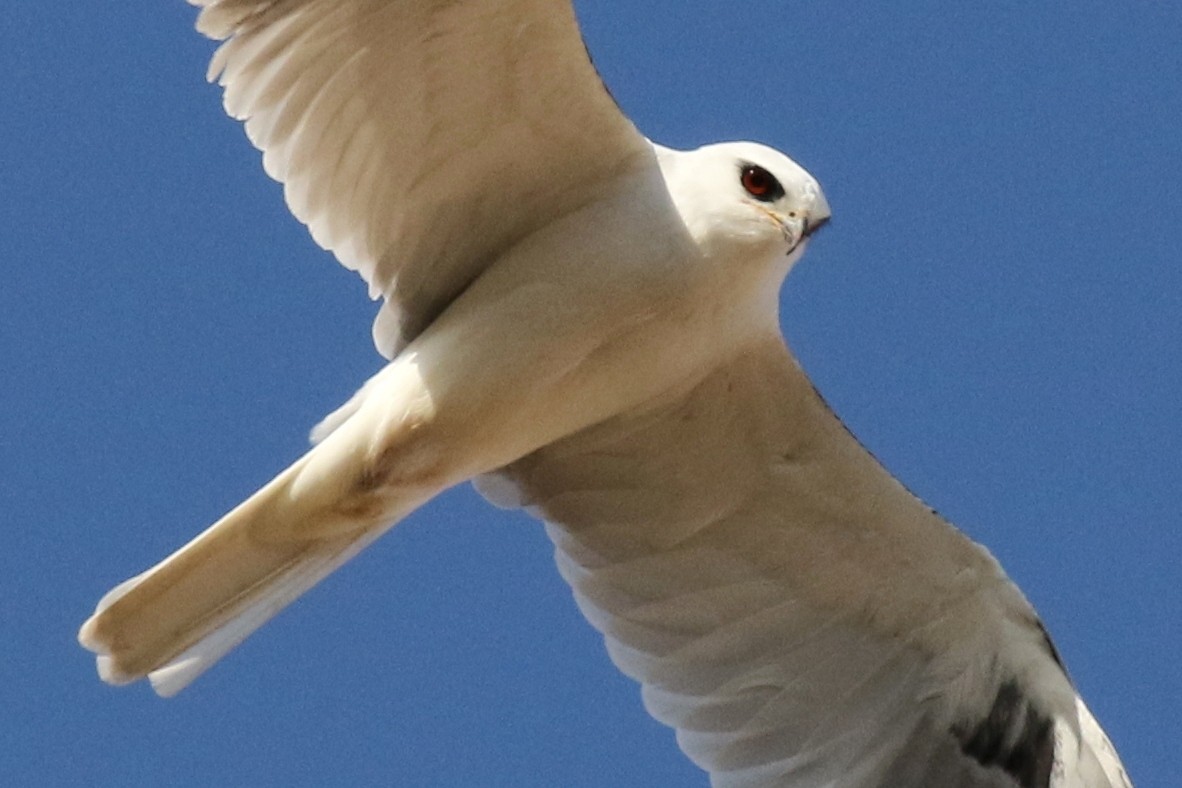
(746, 197)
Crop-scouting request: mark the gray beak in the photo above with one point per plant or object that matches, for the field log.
(812, 225)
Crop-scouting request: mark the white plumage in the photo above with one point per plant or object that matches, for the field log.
(585, 325)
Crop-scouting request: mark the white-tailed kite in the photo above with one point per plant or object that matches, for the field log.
(585, 324)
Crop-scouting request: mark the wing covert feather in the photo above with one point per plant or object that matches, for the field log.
(420, 140)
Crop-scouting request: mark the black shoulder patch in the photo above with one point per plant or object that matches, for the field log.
(1013, 736)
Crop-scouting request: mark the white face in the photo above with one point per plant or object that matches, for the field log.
(745, 194)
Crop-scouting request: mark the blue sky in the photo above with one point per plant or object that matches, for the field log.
(994, 312)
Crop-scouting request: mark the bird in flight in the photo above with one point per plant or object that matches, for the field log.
(585, 324)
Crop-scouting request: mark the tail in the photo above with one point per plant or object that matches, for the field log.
(176, 620)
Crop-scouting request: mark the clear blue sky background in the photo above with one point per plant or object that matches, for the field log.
(995, 312)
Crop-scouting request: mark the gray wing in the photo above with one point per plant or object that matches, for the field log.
(418, 140)
(796, 614)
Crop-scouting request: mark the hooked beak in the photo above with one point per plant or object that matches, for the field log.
(818, 215)
(812, 225)
(796, 230)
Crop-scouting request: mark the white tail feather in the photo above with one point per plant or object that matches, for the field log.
(176, 620)
(279, 592)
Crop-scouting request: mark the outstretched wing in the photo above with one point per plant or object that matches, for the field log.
(796, 614)
(420, 139)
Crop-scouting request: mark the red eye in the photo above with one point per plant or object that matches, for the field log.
(760, 183)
